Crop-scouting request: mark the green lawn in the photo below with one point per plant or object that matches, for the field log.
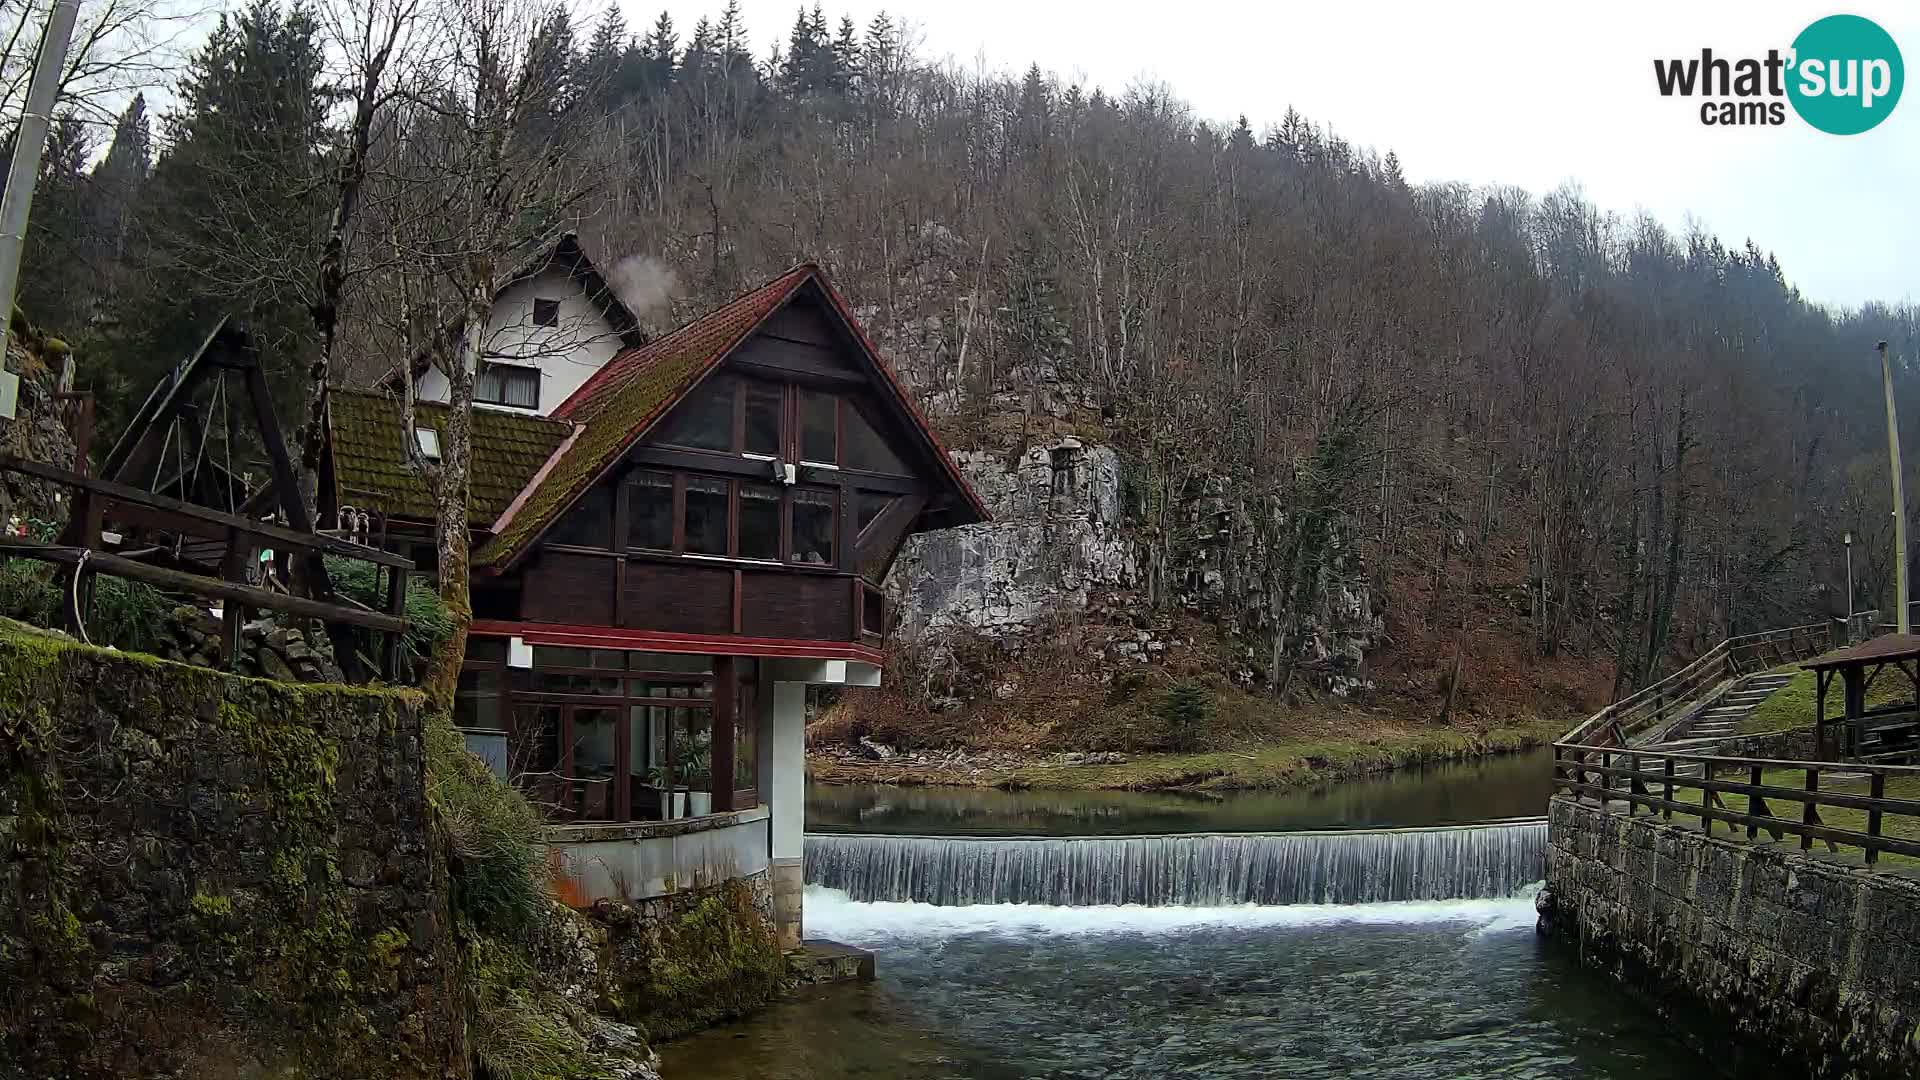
(1791, 706)
(1835, 817)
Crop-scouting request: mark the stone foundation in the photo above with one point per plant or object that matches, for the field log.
(690, 959)
(789, 887)
(1811, 961)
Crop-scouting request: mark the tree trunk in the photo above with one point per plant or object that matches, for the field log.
(451, 482)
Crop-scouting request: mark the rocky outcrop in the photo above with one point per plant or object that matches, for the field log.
(38, 433)
(1061, 546)
(1056, 539)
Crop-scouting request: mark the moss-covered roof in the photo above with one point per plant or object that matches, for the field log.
(370, 466)
(626, 397)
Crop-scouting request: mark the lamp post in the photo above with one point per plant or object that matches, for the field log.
(1901, 622)
(1847, 542)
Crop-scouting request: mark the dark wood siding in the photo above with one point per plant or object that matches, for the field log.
(679, 598)
(565, 588)
(764, 351)
(790, 605)
(802, 321)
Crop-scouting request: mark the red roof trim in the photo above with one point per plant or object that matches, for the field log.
(615, 637)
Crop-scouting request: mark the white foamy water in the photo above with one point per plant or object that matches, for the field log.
(830, 913)
(1200, 870)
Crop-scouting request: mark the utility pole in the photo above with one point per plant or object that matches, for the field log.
(1899, 500)
(28, 145)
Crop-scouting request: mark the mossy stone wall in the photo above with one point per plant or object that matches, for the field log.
(691, 959)
(210, 876)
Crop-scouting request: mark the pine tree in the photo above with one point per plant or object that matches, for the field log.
(1241, 141)
(227, 224)
(118, 178)
(551, 64)
(659, 54)
(1033, 114)
(846, 57)
(604, 74)
(1394, 176)
(56, 286)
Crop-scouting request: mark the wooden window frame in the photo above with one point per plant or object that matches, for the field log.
(720, 706)
(501, 402)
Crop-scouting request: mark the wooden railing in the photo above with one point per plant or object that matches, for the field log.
(1673, 697)
(96, 500)
(1659, 782)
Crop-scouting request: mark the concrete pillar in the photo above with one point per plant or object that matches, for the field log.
(786, 802)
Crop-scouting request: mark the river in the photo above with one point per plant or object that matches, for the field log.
(1176, 982)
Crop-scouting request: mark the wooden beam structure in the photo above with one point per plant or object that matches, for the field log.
(231, 592)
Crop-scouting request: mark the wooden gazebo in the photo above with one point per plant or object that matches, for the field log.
(1883, 729)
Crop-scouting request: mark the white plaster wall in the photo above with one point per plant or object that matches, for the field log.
(566, 354)
(629, 865)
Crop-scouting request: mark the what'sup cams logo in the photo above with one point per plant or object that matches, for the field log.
(1843, 75)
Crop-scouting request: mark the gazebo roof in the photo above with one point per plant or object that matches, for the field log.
(1881, 650)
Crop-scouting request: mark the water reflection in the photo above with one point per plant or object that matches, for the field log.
(1516, 785)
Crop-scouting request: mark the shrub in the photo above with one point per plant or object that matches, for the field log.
(427, 622)
(1187, 709)
(493, 832)
(126, 614)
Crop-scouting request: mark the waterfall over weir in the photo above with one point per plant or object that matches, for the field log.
(1347, 867)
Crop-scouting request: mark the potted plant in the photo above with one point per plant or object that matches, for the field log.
(694, 768)
(673, 802)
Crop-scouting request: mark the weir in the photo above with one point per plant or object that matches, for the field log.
(1204, 869)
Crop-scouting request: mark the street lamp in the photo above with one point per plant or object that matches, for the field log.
(1847, 541)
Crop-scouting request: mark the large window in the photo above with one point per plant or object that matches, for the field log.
(732, 414)
(740, 519)
(589, 523)
(611, 735)
(507, 384)
(819, 427)
(707, 516)
(650, 510)
(704, 421)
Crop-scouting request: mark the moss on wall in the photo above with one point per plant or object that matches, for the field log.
(212, 876)
(692, 959)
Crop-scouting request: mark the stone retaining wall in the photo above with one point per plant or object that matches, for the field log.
(1811, 959)
(210, 877)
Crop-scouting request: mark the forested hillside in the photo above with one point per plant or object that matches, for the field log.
(1601, 440)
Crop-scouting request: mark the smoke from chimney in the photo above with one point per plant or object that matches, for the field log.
(644, 284)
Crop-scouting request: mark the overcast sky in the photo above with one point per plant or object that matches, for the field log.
(1531, 94)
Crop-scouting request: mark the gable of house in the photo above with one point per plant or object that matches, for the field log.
(792, 333)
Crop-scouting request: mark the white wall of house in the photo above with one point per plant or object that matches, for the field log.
(567, 353)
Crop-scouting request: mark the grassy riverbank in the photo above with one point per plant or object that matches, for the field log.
(1277, 764)
(1792, 705)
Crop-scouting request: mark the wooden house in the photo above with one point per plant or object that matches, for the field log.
(666, 557)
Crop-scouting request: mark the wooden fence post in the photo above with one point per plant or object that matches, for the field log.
(1877, 790)
(1808, 814)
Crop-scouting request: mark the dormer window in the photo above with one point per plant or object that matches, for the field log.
(507, 384)
(546, 312)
